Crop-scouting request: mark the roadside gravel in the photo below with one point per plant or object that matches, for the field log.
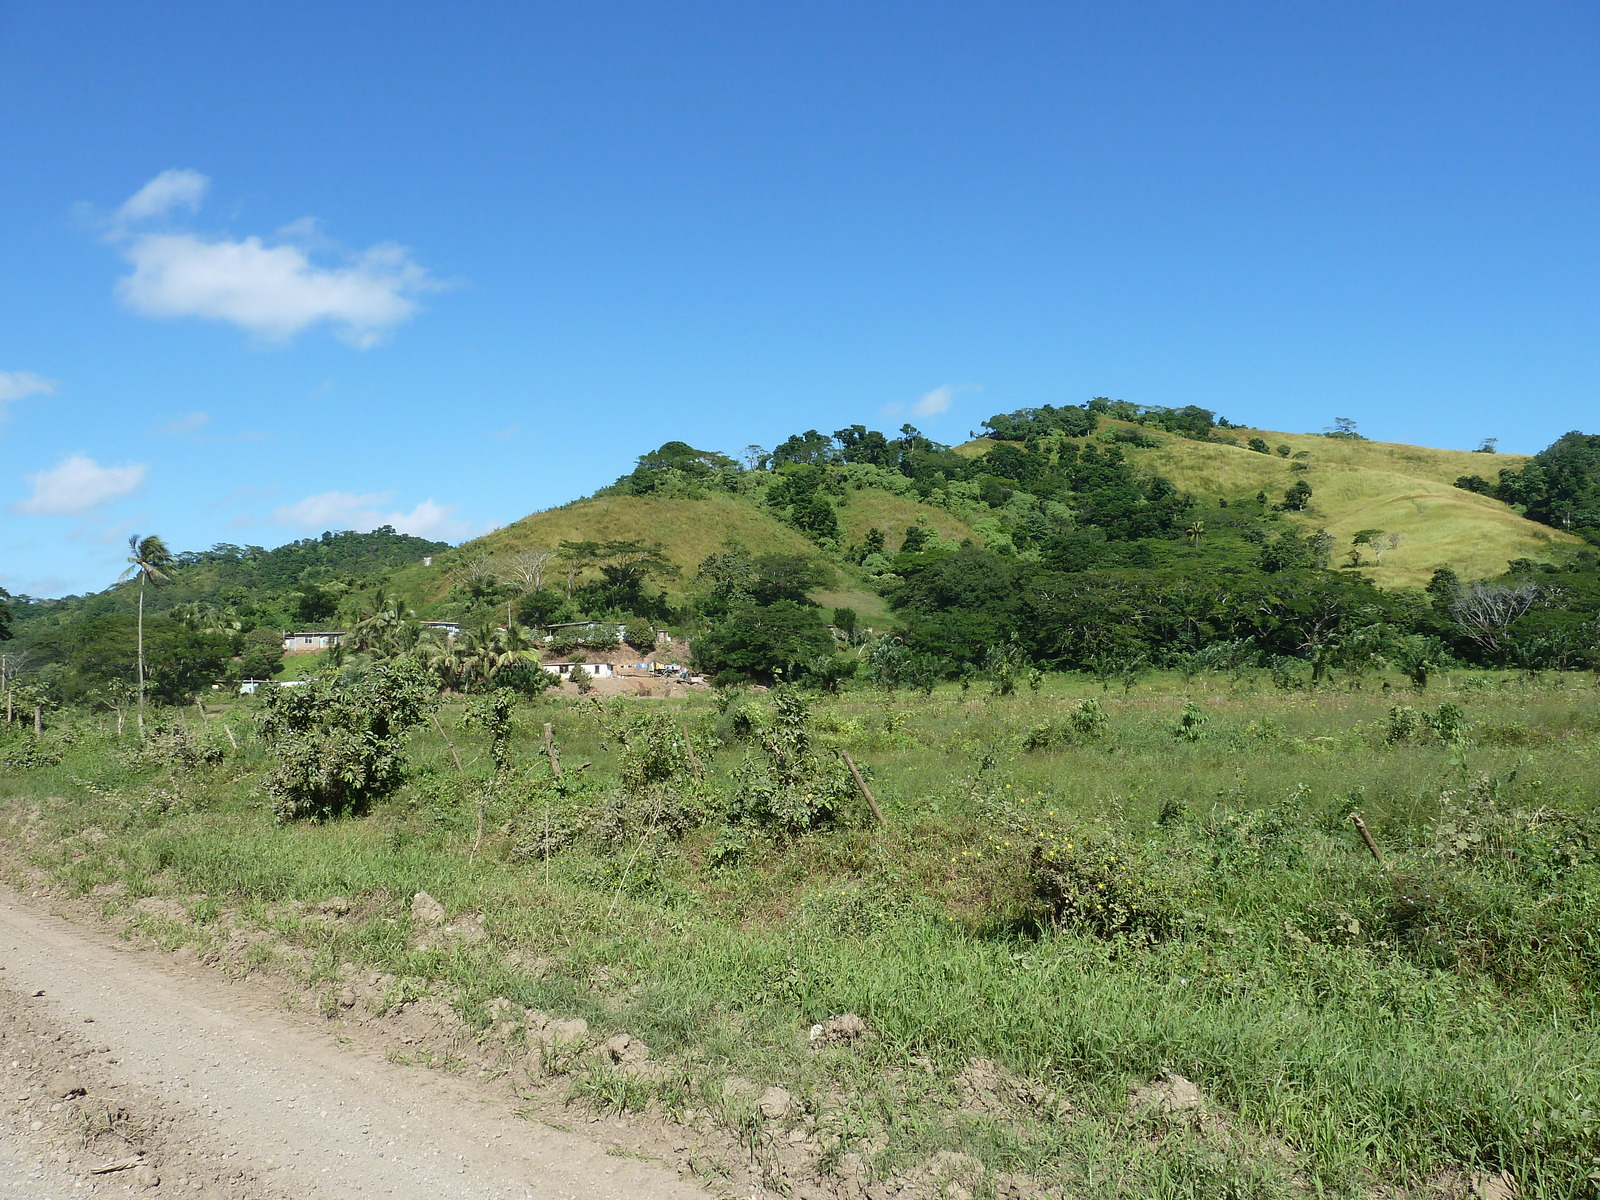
(204, 1088)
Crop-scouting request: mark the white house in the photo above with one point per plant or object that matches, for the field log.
(311, 641)
(563, 670)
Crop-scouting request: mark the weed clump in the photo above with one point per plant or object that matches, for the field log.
(1191, 723)
(792, 787)
(1100, 882)
(1085, 722)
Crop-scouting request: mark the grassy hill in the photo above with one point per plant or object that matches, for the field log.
(691, 531)
(1363, 485)
(1356, 485)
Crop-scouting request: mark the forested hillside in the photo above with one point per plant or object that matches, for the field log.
(1104, 537)
(214, 612)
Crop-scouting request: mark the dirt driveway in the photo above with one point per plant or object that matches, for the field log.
(171, 1083)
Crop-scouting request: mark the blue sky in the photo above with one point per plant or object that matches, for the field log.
(268, 270)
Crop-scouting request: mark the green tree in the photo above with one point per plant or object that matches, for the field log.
(762, 641)
(1298, 496)
(846, 621)
(261, 654)
(179, 661)
(149, 561)
(338, 746)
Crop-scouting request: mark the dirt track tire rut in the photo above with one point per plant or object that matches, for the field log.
(288, 1110)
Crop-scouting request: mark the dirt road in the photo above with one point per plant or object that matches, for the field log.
(193, 1086)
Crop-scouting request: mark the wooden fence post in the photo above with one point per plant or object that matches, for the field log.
(550, 749)
(1366, 836)
(862, 784)
(688, 745)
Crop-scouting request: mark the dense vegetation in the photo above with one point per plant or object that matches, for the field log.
(1560, 487)
(1078, 560)
(212, 615)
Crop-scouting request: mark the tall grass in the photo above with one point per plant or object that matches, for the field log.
(1355, 1025)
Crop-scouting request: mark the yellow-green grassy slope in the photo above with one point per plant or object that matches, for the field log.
(691, 531)
(1358, 485)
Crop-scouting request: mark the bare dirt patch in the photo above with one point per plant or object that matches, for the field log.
(190, 1084)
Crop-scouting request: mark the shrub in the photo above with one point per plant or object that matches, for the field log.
(1099, 882)
(176, 747)
(641, 634)
(339, 744)
(792, 787)
(655, 748)
(493, 715)
(1450, 723)
(1085, 721)
(1004, 665)
(30, 754)
(827, 672)
(1132, 437)
(1405, 724)
(1191, 723)
(526, 679)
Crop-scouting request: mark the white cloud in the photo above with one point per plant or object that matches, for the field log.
(19, 385)
(78, 484)
(941, 398)
(273, 289)
(188, 423)
(932, 403)
(167, 191)
(363, 512)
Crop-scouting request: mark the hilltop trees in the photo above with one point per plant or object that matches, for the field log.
(678, 468)
(1025, 423)
(1060, 544)
(1561, 486)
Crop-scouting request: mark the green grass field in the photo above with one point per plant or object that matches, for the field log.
(1057, 909)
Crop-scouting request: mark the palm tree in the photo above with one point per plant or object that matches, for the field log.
(1195, 532)
(389, 630)
(150, 560)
